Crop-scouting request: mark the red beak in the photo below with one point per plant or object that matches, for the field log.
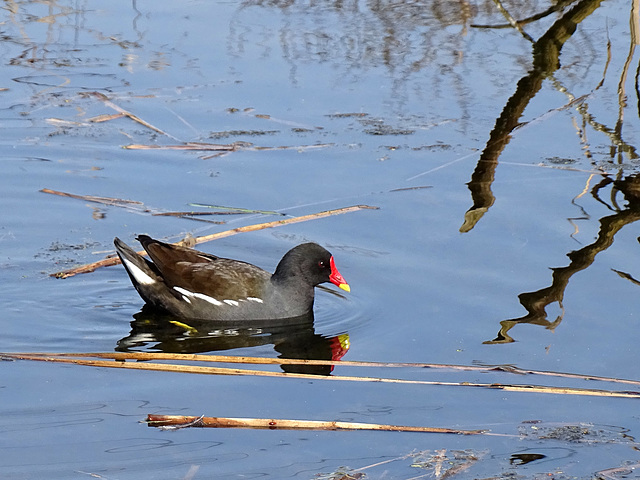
(336, 278)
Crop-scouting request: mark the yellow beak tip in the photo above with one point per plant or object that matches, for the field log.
(345, 287)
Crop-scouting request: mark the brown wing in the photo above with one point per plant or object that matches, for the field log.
(198, 272)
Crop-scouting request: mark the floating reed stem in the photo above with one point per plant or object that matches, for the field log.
(180, 421)
(197, 369)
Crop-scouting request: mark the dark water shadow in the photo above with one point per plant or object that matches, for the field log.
(536, 302)
(291, 338)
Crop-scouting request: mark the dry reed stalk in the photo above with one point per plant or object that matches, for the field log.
(227, 233)
(194, 369)
(287, 424)
(193, 357)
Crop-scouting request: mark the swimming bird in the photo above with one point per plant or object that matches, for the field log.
(190, 284)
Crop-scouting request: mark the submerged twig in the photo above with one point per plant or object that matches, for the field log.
(222, 149)
(118, 202)
(132, 205)
(227, 233)
(235, 210)
(126, 113)
(410, 188)
(287, 424)
(197, 146)
(193, 214)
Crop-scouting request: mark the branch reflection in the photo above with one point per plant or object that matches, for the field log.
(536, 302)
(546, 60)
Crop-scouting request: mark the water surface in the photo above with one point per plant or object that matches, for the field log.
(519, 248)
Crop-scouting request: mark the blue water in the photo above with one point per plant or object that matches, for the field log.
(369, 99)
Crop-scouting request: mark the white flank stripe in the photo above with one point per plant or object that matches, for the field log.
(255, 299)
(207, 298)
(138, 274)
(186, 299)
(231, 302)
(201, 296)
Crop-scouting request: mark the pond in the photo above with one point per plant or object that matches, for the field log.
(492, 149)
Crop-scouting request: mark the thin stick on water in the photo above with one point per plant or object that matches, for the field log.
(114, 260)
(181, 421)
(126, 113)
(200, 370)
(194, 357)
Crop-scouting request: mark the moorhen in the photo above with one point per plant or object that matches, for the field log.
(194, 285)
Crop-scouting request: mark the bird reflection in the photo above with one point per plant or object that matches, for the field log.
(293, 338)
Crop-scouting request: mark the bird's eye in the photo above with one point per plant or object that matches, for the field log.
(321, 264)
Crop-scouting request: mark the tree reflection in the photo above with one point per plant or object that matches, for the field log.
(536, 302)
(546, 60)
